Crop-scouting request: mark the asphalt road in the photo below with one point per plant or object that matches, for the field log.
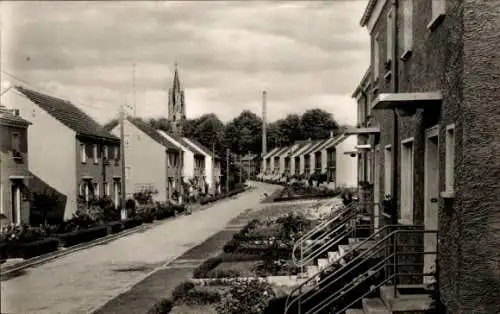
(85, 280)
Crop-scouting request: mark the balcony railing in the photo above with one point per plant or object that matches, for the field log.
(386, 251)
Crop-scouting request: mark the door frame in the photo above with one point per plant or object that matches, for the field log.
(376, 187)
(430, 212)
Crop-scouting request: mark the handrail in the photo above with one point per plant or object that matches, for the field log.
(324, 224)
(324, 245)
(379, 266)
(359, 245)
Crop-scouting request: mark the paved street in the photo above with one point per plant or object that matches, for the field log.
(84, 280)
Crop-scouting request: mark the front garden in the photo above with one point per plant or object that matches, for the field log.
(302, 191)
(236, 281)
(91, 221)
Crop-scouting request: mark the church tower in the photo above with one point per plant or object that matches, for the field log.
(176, 106)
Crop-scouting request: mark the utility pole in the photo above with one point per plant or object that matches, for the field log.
(264, 124)
(241, 170)
(227, 170)
(133, 89)
(213, 167)
(122, 153)
(248, 166)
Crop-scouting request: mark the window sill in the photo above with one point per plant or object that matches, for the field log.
(406, 55)
(435, 22)
(448, 194)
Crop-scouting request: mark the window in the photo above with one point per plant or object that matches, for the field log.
(387, 170)
(94, 154)
(390, 36)
(106, 189)
(438, 10)
(362, 167)
(450, 158)
(407, 170)
(116, 153)
(95, 187)
(376, 57)
(83, 154)
(106, 152)
(407, 28)
(16, 142)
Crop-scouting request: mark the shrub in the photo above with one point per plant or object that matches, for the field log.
(115, 226)
(246, 297)
(181, 290)
(31, 249)
(162, 307)
(131, 223)
(202, 270)
(83, 235)
(231, 246)
(146, 213)
(202, 296)
(145, 196)
(164, 210)
(226, 273)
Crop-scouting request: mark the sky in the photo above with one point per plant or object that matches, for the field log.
(306, 54)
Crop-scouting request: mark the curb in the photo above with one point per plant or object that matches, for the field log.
(44, 258)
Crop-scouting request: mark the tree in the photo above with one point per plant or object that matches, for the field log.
(111, 124)
(317, 124)
(243, 133)
(290, 129)
(161, 124)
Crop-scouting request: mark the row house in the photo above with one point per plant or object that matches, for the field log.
(211, 166)
(152, 162)
(428, 137)
(251, 164)
(266, 168)
(14, 171)
(295, 157)
(69, 150)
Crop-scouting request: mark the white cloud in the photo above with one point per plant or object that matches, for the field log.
(306, 54)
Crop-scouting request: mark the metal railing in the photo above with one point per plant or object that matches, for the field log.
(388, 233)
(341, 219)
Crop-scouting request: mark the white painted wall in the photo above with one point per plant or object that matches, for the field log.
(347, 166)
(208, 164)
(146, 160)
(51, 146)
(188, 160)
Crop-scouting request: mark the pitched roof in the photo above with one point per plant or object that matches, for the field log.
(193, 148)
(280, 151)
(314, 147)
(151, 132)
(68, 114)
(7, 117)
(181, 142)
(202, 147)
(272, 152)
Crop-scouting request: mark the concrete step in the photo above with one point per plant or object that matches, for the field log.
(333, 257)
(374, 306)
(312, 270)
(323, 263)
(354, 311)
(406, 302)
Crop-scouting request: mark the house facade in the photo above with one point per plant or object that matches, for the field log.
(212, 168)
(14, 171)
(69, 150)
(428, 137)
(152, 162)
(266, 168)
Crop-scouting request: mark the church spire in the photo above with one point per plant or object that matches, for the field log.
(177, 83)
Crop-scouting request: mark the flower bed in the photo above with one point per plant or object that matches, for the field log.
(29, 249)
(83, 235)
(297, 191)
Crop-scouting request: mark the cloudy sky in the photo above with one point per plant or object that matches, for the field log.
(305, 54)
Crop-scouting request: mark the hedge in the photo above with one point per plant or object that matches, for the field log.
(202, 270)
(162, 307)
(82, 235)
(131, 223)
(115, 227)
(29, 249)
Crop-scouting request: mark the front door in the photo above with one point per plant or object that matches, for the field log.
(116, 193)
(431, 193)
(16, 203)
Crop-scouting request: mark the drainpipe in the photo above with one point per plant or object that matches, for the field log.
(395, 139)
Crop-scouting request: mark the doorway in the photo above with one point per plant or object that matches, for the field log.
(16, 203)
(431, 193)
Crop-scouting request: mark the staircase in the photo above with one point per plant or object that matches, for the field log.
(349, 269)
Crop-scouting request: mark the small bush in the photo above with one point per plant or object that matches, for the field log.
(181, 290)
(202, 270)
(202, 296)
(131, 223)
(115, 227)
(31, 249)
(226, 273)
(231, 246)
(162, 307)
(164, 210)
(82, 235)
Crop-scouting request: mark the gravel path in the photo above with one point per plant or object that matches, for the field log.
(85, 280)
